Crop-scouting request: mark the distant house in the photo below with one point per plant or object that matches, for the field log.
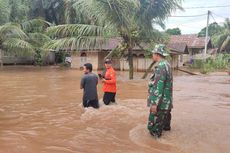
(177, 52)
(196, 45)
(140, 62)
(94, 55)
(97, 54)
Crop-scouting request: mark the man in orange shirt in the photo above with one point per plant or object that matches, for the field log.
(109, 83)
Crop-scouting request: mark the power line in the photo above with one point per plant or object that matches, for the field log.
(187, 22)
(187, 16)
(219, 15)
(213, 17)
(200, 7)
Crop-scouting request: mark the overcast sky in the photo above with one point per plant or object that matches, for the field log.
(190, 25)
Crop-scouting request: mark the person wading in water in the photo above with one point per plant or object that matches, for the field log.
(89, 83)
(160, 93)
(108, 79)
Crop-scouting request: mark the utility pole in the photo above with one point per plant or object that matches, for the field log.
(206, 37)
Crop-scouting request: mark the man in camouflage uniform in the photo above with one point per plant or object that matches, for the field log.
(160, 93)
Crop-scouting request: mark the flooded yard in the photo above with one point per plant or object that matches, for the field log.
(40, 112)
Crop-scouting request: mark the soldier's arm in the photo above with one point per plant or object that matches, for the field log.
(156, 94)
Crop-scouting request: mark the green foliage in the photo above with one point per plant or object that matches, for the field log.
(5, 12)
(52, 11)
(174, 31)
(213, 29)
(119, 50)
(18, 10)
(155, 11)
(220, 35)
(25, 38)
(38, 57)
(74, 30)
(75, 36)
(60, 57)
(220, 62)
(35, 25)
(115, 13)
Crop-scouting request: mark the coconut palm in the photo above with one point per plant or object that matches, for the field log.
(14, 11)
(131, 20)
(222, 39)
(24, 38)
(5, 13)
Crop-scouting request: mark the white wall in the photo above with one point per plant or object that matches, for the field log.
(139, 64)
(78, 61)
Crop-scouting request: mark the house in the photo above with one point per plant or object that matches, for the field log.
(140, 62)
(177, 52)
(196, 45)
(95, 55)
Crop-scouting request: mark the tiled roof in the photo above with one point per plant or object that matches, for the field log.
(192, 41)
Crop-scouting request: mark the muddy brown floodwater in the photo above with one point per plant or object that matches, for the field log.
(40, 112)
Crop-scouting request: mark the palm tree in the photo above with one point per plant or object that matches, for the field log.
(14, 10)
(222, 39)
(24, 38)
(5, 13)
(131, 20)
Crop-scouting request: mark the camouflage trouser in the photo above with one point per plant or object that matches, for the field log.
(159, 121)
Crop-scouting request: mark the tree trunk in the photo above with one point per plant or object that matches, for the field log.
(130, 58)
(1, 60)
(225, 44)
(110, 54)
(37, 10)
(147, 71)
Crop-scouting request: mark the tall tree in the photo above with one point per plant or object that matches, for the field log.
(5, 11)
(222, 38)
(213, 28)
(14, 10)
(19, 10)
(52, 11)
(174, 31)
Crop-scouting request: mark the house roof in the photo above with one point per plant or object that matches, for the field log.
(192, 41)
(178, 48)
(103, 45)
(111, 44)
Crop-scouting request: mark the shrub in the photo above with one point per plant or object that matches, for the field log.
(220, 62)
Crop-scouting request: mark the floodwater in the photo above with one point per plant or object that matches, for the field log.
(40, 112)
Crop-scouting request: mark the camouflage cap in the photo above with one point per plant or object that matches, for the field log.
(160, 49)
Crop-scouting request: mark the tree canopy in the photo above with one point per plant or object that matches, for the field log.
(213, 28)
(221, 39)
(174, 31)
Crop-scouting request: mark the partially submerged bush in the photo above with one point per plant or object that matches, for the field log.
(220, 62)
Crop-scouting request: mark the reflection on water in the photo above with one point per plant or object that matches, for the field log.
(40, 112)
